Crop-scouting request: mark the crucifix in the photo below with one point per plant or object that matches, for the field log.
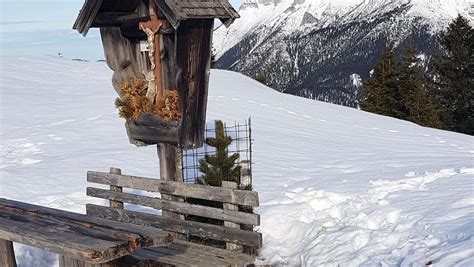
(155, 91)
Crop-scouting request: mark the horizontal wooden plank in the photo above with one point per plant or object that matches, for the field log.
(158, 236)
(151, 130)
(237, 236)
(83, 228)
(51, 223)
(78, 247)
(179, 207)
(78, 236)
(189, 258)
(146, 255)
(239, 197)
(209, 252)
(206, 250)
(191, 254)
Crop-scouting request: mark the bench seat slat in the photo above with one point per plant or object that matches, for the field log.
(233, 235)
(50, 224)
(158, 236)
(239, 197)
(190, 254)
(180, 207)
(192, 257)
(78, 236)
(78, 247)
(151, 255)
(207, 250)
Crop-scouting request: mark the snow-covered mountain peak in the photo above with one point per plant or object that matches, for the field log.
(311, 47)
(250, 4)
(421, 7)
(295, 15)
(444, 4)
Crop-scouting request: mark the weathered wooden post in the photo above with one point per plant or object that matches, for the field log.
(170, 169)
(233, 207)
(7, 255)
(115, 204)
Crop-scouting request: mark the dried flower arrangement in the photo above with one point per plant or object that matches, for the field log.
(133, 102)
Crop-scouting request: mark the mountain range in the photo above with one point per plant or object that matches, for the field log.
(323, 49)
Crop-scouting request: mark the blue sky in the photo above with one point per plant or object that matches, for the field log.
(44, 27)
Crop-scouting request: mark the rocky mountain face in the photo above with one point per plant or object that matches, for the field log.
(323, 49)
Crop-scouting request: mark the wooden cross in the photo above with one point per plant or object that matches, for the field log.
(151, 28)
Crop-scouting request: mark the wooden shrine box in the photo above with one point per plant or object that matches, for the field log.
(168, 44)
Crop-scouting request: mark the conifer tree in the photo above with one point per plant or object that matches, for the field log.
(452, 73)
(418, 106)
(380, 91)
(261, 79)
(221, 166)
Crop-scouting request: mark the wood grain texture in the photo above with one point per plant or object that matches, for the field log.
(7, 254)
(112, 203)
(176, 11)
(226, 195)
(178, 207)
(123, 56)
(170, 169)
(182, 253)
(231, 207)
(237, 236)
(126, 261)
(86, 16)
(52, 239)
(168, 60)
(151, 129)
(77, 236)
(65, 261)
(82, 219)
(194, 43)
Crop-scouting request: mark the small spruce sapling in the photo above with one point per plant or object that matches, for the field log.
(220, 166)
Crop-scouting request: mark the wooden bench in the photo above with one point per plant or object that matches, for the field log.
(80, 240)
(174, 200)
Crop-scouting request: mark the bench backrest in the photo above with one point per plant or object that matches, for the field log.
(173, 196)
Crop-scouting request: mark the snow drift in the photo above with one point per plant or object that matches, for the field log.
(338, 186)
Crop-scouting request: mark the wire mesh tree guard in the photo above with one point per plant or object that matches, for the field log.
(241, 133)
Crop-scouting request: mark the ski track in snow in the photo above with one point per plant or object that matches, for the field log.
(338, 186)
(19, 152)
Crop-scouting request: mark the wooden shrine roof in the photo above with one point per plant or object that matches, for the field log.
(174, 10)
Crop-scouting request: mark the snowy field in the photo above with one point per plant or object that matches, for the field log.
(338, 187)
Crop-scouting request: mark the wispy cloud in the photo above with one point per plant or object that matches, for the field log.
(20, 22)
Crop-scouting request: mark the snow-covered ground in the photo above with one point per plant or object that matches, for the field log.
(338, 186)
